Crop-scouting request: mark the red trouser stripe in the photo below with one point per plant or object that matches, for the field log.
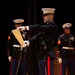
(61, 69)
(48, 66)
(10, 69)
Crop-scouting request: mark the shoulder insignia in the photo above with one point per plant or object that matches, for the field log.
(59, 42)
(8, 37)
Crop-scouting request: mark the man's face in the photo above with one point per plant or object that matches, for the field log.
(47, 17)
(18, 25)
(67, 30)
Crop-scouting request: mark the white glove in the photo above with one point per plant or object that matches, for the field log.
(10, 58)
(24, 45)
(60, 60)
(21, 28)
(27, 43)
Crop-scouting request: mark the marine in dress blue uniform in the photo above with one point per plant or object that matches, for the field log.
(13, 48)
(66, 46)
(46, 36)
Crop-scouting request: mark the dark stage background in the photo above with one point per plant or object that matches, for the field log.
(30, 10)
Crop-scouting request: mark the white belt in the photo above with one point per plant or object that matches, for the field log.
(67, 48)
(16, 46)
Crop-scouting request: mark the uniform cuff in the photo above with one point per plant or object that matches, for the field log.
(27, 27)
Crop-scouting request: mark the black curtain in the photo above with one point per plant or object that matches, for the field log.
(31, 19)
